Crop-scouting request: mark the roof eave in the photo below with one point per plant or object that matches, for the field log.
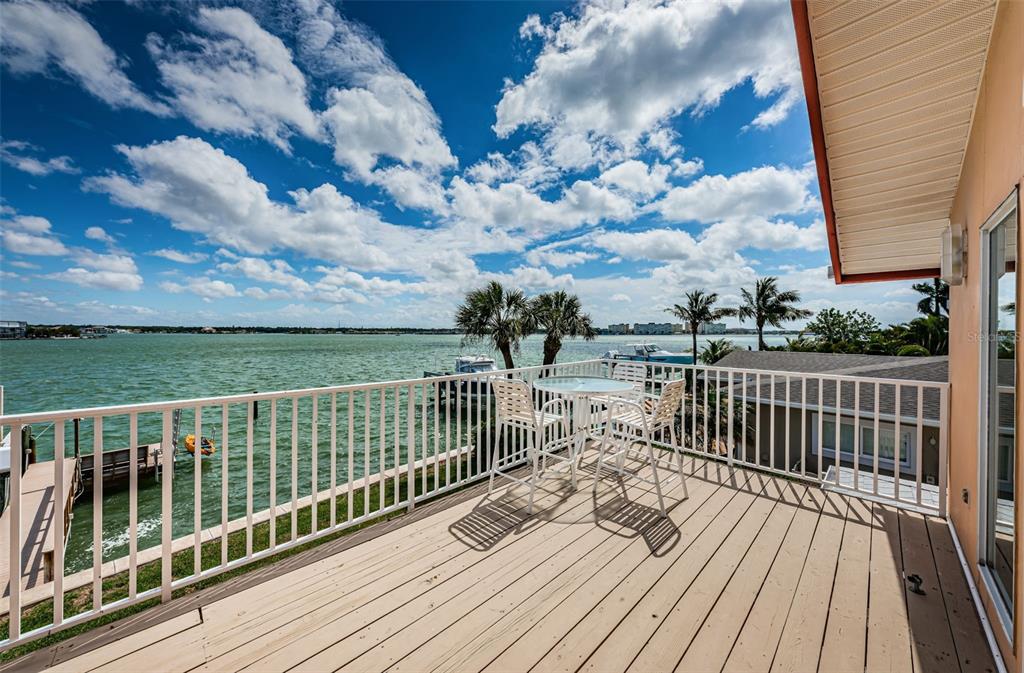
(805, 47)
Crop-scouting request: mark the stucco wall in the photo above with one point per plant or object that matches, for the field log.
(993, 165)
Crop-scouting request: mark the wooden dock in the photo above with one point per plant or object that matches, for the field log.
(117, 464)
(38, 523)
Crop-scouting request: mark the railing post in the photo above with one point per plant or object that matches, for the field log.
(166, 477)
(14, 560)
(410, 452)
(943, 447)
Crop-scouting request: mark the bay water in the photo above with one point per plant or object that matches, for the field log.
(49, 375)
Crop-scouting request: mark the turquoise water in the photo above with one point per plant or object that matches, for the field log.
(130, 369)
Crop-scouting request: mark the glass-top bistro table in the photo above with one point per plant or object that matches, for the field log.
(579, 390)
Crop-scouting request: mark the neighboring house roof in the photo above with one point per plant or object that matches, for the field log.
(803, 366)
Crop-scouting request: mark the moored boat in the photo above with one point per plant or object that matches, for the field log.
(466, 364)
(649, 353)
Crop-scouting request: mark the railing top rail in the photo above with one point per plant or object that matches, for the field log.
(154, 407)
(806, 375)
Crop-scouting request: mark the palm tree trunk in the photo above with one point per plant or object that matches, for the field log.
(693, 333)
(506, 352)
(761, 345)
(551, 349)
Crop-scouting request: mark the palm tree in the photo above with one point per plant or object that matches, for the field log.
(767, 305)
(715, 350)
(498, 314)
(561, 316)
(936, 297)
(698, 308)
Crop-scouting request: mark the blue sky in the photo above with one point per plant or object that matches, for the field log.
(320, 163)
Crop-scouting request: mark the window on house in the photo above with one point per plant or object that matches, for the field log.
(886, 441)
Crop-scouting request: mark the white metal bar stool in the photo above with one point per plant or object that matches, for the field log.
(629, 422)
(515, 410)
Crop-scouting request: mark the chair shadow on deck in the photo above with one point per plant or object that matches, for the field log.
(490, 521)
(625, 517)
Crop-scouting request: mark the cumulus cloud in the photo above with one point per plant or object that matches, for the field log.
(18, 154)
(99, 234)
(236, 78)
(515, 208)
(539, 278)
(759, 192)
(375, 114)
(721, 241)
(276, 272)
(201, 189)
(180, 257)
(206, 288)
(637, 178)
(610, 73)
(43, 38)
(31, 235)
(103, 271)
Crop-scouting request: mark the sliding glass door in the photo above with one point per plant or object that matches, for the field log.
(999, 353)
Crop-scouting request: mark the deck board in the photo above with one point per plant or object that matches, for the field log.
(888, 644)
(751, 573)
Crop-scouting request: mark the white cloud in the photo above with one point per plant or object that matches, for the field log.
(113, 271)
(375, 113)
(276, 272)
(637, 178)
(181, 257)
(201, 286)
(238, 78)
(100, 279)
(99, 234)
(559, 258)
(514, 208)
(759, 192)
(38, 37)
(717, 244)
(612, 72)
(203, 190)
(539, 278)
(17, 154)
(31, 235)
(685, 169)
(262, 295)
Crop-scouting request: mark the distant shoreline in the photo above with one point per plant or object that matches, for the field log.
(170, 329)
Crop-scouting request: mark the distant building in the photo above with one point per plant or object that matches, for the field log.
(97, 330)
(13, 329)
(711, 328)
(679, 328)
(619, 328)
(652, 328)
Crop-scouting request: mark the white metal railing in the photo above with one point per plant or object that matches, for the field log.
(892, 434)
(295, 465)
(289, 467)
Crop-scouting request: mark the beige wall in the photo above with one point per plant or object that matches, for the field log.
(993, 165)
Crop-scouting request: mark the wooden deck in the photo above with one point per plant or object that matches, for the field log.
(751, 573)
